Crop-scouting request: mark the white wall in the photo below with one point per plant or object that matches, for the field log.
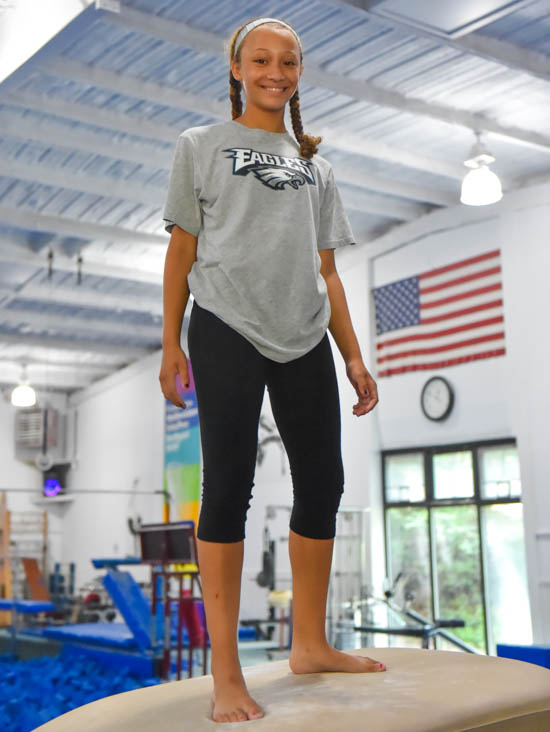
(497, 397)
(119, 447)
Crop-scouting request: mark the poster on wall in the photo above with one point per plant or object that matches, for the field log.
(182, 455)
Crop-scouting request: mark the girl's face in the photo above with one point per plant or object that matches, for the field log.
(270, 67)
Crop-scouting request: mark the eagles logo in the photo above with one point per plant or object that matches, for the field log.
(274, 171)
(279, 177)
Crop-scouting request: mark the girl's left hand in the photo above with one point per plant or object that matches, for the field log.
(364, 385)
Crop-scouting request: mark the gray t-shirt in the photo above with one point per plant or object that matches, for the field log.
(260, 213)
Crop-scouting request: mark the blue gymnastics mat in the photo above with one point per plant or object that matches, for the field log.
(115, 635)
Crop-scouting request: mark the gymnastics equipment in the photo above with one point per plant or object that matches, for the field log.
(422, 690)
(348, 579)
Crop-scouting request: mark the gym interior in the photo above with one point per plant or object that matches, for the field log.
(434, 118)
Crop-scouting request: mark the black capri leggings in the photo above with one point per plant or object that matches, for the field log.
(230, 377)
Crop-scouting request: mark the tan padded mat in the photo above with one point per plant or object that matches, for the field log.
(421, 691)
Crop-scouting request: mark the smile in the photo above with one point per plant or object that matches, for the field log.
(274, 89)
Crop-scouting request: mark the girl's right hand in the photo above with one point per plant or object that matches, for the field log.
(174, 362)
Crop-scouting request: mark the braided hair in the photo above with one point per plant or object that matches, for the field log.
(308, 143)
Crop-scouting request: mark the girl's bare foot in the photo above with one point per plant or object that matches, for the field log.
(305, 660)
(231, 702)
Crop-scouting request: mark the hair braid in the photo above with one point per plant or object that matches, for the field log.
(308, 143)
(235, 96)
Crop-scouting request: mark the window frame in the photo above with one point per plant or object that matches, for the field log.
(429, 503)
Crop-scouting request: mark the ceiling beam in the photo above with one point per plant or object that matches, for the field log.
(513, 57)
(48, 382)
(48, 175)
(42, 375)
(394, 187)
(516, 58)
(62, 225)
(68, 343)
(352, 143)
(68, 367)
(382, 205)
(58, 323)
(12, 250)
(82, 296)
(49, 133)
(91, 115)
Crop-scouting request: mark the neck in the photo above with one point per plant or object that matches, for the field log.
(265, 121)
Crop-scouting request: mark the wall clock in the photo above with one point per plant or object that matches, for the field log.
(437, 398)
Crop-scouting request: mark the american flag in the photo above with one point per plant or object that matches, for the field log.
(443, 317)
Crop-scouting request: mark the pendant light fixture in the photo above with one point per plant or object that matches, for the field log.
(23, 395)
(480, 185)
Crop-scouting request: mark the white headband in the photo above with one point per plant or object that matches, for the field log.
(250, 26)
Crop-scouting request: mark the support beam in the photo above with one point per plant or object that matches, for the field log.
(34, 221)
(394, 187)
(12, 250)
(95, 185)
(127, 354)
(81, 296)
(148, 153)
(382, 205)
(60, 324)
(516, 58)
(45, 375)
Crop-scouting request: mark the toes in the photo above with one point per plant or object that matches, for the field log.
(378, 665)
(375, 663)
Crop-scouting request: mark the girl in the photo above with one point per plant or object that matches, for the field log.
(254, 219)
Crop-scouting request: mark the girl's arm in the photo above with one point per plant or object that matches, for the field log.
(341, 327)
(340, 321)
(180, 255)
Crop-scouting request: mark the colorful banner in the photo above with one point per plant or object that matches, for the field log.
(182, 455)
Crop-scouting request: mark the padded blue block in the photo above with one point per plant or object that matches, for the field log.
(116, 635)
(107, 562)
(26, 606)
(33, 606)
(539, 655)
(134, 607)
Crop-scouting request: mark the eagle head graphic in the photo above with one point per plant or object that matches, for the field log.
(278, 178)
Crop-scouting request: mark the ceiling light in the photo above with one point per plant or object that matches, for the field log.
(23, 395)
(480, 185)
